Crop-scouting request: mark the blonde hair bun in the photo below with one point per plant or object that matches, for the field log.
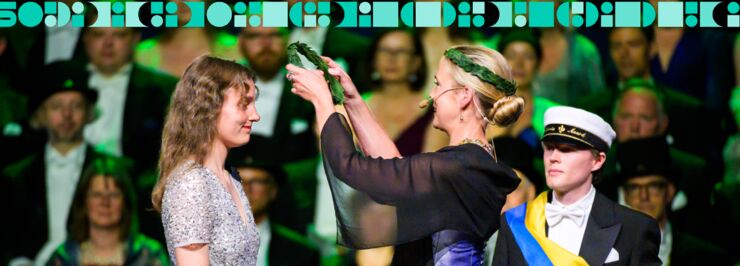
(506, 110)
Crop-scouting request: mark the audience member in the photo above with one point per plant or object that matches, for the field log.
(570, 66)
(647, 178)
(523, 52)
(103, 222)
(39, 187)
(343, 46)
(630, 52)
(399, 73)
(133, 101)
(279, 245)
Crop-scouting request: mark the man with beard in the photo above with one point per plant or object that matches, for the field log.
(38, 189)
(284, 135)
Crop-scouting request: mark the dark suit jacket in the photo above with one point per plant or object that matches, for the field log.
(288, 248)
(146, 104)
(147, 98)
(634, 235)
(24, 191)
(689, 250)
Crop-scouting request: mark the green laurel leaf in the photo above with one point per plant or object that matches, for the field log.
(337, 91)
(486, 75)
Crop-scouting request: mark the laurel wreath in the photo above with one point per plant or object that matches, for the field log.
(462, 61)
(337, 91)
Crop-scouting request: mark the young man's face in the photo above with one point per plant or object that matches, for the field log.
(568, 167)
(110, 48)
(630, 51)
(649, 194)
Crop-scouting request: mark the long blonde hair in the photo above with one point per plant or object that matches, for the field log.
(189, 128)
(498, 108)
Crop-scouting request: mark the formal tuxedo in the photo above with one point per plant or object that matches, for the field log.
(610, 228)
(24, 192)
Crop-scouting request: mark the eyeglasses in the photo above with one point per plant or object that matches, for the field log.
(259, 182)
(655, 188)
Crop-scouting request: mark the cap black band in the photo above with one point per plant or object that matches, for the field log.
(560, 131)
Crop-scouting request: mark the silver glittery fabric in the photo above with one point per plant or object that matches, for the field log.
(196, 208)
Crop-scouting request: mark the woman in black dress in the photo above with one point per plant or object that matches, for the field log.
(454, 195)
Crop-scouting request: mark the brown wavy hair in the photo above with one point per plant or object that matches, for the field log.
(190, 126)
(117, 170)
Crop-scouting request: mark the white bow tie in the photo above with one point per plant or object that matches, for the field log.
(554, 214)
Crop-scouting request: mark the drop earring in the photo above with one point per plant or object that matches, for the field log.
(375, 76)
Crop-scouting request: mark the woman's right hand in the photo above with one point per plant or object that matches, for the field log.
(350, 90)
(308, 84)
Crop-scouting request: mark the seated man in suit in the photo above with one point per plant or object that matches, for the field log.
(574, 224)
(38, 189)
(279, 245)
(133, 99)
(648, 180)
(640, 113)
(132, 106)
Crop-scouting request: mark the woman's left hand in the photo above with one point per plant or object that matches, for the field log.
(309, 84)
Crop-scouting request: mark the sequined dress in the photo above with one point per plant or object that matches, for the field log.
(196, 208)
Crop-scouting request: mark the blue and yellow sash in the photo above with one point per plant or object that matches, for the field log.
(527, 223)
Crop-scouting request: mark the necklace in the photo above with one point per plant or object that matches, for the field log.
(483, 145)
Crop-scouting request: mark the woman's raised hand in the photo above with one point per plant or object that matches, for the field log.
(350, 90)
(309, 84)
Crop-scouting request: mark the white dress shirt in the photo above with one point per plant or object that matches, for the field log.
(62, 174)
(265, 236)
(106, 131)
(268, 104)
(61, 43)
(568, 233)
(666, 244)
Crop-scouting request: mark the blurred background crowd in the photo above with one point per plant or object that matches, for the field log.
(82, 109)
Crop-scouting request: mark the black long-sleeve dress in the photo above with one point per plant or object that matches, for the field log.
(454, 194)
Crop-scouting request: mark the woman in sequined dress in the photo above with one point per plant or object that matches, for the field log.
(205, 213)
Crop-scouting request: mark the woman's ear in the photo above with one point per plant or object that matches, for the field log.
(465, 97)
